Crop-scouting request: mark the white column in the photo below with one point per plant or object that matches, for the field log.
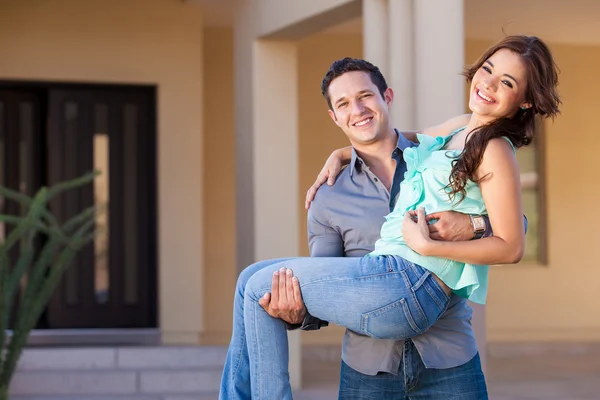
(276, 228)
(401, 71)
(440, 88)
(439, 48)
(275, 98)
(376, 34)
(266, 108)
(388, 42)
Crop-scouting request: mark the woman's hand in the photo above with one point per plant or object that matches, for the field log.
(329, 172)
(415, 231)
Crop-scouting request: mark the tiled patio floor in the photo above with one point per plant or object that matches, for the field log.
(564, 377)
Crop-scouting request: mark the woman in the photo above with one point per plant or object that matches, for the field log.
(402, 287)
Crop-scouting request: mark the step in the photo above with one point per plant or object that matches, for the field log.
(197, 396)
(127, 373)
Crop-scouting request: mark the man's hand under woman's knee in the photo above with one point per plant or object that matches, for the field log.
(285, 299)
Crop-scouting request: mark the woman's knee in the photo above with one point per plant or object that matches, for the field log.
(258, 284)
(244, 277)
(250, 270)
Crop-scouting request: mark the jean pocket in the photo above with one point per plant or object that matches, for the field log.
(399, 320)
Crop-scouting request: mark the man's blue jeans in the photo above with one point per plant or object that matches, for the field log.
(415, 382)
(381, 296)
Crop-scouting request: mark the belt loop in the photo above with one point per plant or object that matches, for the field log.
(417, 270)
(390, 267)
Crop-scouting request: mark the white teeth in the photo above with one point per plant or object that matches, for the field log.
(484, 96)
(361, 123)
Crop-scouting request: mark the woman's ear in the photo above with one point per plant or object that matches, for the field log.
(525, 106)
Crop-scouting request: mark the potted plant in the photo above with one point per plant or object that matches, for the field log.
(43, 266)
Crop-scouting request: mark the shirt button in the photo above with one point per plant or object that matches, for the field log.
(375, 179)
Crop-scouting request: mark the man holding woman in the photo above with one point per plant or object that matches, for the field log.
(404, 289)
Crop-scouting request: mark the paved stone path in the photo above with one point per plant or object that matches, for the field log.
(557, 377)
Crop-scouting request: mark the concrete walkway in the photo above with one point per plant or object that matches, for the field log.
(548, 377)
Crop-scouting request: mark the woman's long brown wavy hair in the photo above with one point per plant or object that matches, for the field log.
(541, 92)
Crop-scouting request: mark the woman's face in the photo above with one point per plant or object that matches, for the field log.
(498, 87)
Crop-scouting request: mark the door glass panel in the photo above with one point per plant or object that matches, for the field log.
(25, 148)
(101, 198)
(25, 161)
(130, 202)
(2, 159)
(71, 126)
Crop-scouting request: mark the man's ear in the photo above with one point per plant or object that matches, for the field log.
(388, 96)
(333, 116)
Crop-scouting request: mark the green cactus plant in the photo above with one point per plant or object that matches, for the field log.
(43, 266)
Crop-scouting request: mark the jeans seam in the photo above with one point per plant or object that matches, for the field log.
(416, 301)
(434, 296)
(420, 310)
(256, 345)
(348, 279)
(405, 359)
(238, 360)
(416, 374)
(435, 284)
(390, 267)
(421, 281)
(409, 316)
(406, 280)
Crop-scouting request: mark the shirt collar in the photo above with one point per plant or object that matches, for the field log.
(403, 143)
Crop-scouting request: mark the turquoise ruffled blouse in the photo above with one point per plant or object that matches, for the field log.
(424, 185)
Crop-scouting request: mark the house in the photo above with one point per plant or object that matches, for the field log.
(207, 121)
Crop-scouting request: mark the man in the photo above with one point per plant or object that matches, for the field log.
(344, 220)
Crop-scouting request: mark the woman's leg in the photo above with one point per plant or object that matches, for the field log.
(235, 382)
(383, 297)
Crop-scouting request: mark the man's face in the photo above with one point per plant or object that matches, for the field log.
(358, 107)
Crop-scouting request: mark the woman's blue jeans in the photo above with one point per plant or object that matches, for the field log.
(384, 297)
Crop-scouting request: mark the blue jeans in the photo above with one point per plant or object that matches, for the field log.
(415, 382)
(235, 382)
(383, 297)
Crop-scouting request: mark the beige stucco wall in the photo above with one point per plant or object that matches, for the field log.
(156, 42)
(219, 185)
(292, 20)
(559, 301)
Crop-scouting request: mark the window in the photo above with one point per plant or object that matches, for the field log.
(531, 160)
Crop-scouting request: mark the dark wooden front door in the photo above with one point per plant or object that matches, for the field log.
(76, 129)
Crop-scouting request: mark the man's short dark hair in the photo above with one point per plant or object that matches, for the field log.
(348, 64)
